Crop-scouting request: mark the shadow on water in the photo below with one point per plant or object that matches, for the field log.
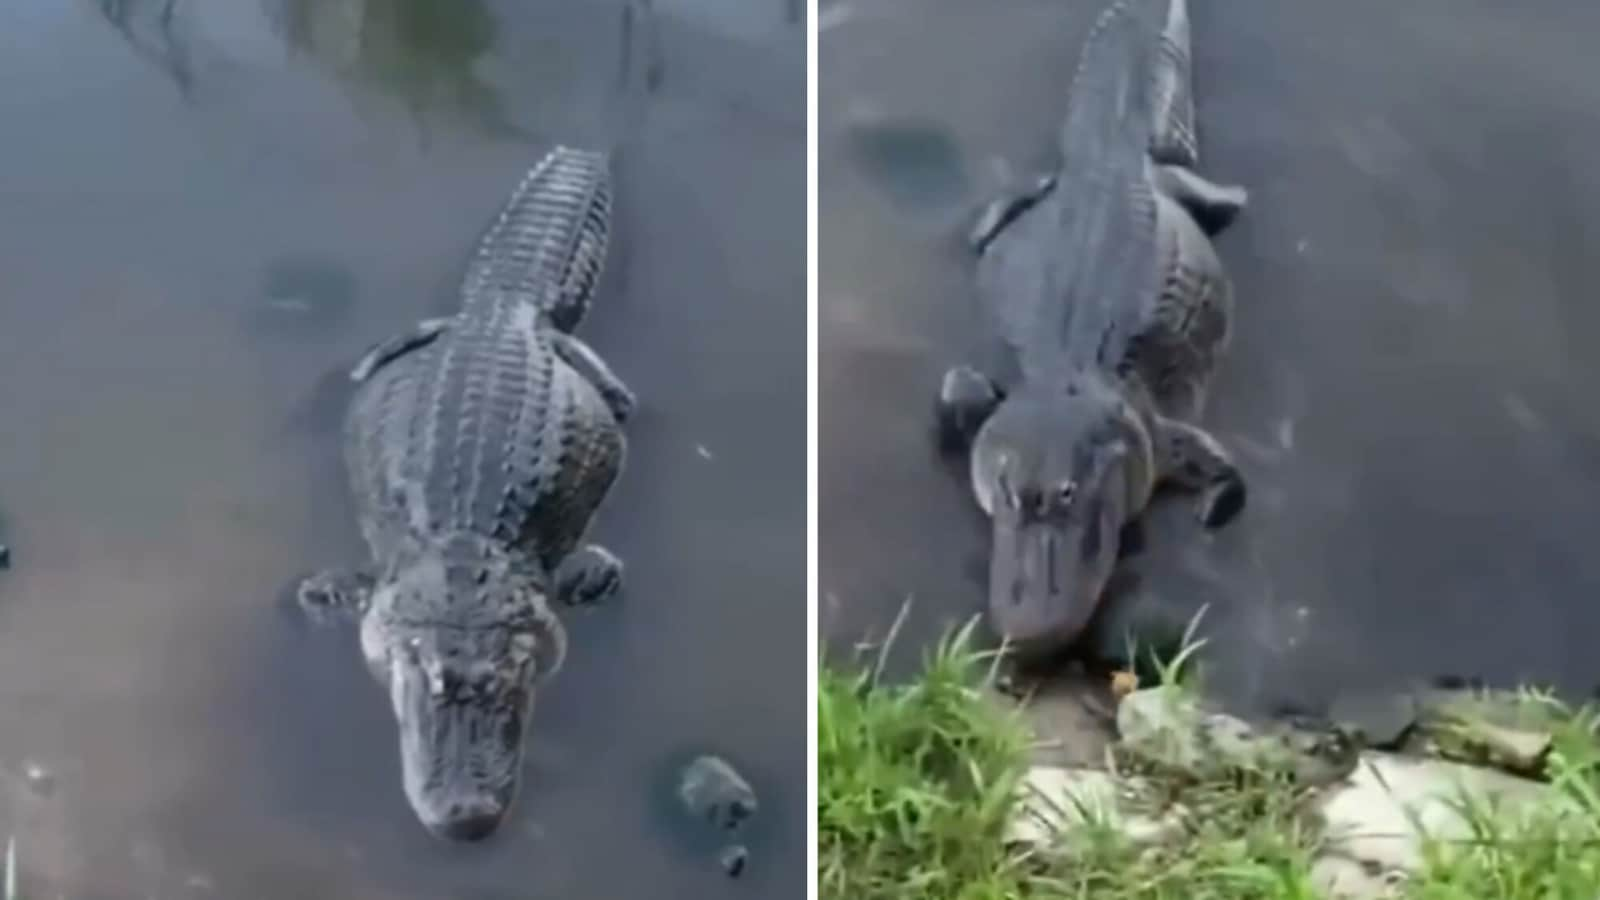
(179, 276)
(1406, 387)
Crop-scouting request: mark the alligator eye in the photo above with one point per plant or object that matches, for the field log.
(1066, 492)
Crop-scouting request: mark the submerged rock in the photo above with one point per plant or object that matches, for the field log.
(917, 164)
(40, 779)
(305, 295)
(732, 859)
(713, 790)
(1169, 729)
(1503, 729)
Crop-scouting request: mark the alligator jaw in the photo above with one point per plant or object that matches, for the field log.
(442, 746)
(462, 709)
(1060, 473)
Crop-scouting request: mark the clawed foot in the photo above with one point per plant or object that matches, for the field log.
(967, 397)
(333, 595)
(1191, 458)
(1006, 208)
(1213, 206)
(581, 357)
(1131, 539)
(622, 401)
(392, 348)
(590, 576)
(1222, 500)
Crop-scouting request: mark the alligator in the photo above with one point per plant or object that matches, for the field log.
(1112, 310)
(479, 448)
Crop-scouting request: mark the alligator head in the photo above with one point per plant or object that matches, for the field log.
(1059, 471)
(460, 641)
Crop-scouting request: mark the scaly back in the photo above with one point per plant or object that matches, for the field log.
(1105, 212)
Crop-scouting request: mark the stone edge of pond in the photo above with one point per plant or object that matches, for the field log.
(1373, 804)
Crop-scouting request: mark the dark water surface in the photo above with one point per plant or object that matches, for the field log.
(201, 214)
(1411, 387)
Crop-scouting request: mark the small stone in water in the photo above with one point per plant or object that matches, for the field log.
(712, 789)
(39, 778)
(733, 857)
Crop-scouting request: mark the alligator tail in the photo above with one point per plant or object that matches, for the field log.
(1114, 92)
(548, 245)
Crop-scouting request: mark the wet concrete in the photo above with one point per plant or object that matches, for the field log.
(1409, 387)
(160, 480)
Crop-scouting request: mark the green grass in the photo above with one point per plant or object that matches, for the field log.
(1530, 854)
(918, 784)
(918, 781)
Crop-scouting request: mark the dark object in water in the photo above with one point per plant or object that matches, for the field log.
(918, 165)
(478, 449)
(1383, 720)
(1101, 281)
(714, 791)
(305, 295)
(733, 858)
(5, 557)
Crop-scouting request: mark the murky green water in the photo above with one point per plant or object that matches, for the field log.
(204, 213)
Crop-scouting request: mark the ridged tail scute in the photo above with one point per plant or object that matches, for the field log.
(1114, 96)
(1175, 141)
(548, 246)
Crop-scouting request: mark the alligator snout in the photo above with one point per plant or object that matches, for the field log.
(465, 820)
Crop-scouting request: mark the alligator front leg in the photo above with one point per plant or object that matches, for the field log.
(967, 397)
(1007, 208)
(581, 356)
(334, 594)
(387, 351)
(1213, 206)
(1191, 458)
(589, 575)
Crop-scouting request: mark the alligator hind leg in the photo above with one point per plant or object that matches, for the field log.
(1005, 209)
(580, 356)
(967, 397)
(334, 594)
(1213, 206)
(1191, 458)
(387, 351)
(589, 575)
(1174, 139)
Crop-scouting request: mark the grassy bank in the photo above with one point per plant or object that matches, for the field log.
(918, 782)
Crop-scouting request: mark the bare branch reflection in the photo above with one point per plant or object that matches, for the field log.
(422, 53)
(150, 28)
